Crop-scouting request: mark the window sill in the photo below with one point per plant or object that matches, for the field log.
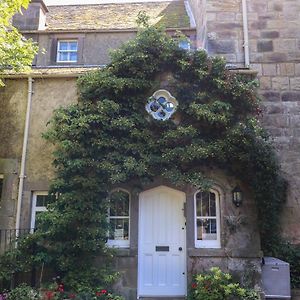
(206, 252)
(223, 252)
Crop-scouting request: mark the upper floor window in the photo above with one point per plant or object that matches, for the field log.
(119, 218)
(40, 200)
(67, 51)
(207, 220)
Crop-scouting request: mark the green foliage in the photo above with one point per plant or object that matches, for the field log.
(216, 285)
(291, 253)
(23, 292)
(16, 52)
(108, 138)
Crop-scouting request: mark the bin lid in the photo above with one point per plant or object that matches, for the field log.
(274, 261)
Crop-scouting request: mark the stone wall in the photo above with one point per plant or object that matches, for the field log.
(275, 54)
(274, 42)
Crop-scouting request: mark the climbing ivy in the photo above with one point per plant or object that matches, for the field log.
(108, 138)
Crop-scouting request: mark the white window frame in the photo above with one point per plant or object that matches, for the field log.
(208, 243)
(1, 190)
(36, 209)
(66, 51)
(120, 243)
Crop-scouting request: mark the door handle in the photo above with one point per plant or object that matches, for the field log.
(180, 248)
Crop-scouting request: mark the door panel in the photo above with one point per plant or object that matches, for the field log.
(161, 265)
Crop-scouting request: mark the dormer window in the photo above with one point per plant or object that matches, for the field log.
(67, 51)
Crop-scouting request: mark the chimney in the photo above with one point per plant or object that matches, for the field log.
(33, 18)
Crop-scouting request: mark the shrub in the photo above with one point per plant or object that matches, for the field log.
(23, 292)
(217, 285)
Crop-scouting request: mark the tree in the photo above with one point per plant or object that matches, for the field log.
(16, 53)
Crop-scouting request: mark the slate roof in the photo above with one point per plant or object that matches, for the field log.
(171, 14)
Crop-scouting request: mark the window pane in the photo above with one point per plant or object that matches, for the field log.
(206, 229)
(119, 229)
(73, 46)
(202, 202)
(43, 200)
(37, 216)
(63, 56)
(119, 204)
(63, 46)
(73, 56)
(212, 204)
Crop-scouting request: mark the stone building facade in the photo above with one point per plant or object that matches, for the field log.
(222, 28)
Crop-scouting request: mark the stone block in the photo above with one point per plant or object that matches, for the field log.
(277, 6)
(282, 45)
(262, 24)
(276, 120)
(275, 57)
(264, 46)
(258, 68)
(229, 6)
(297, 69)
(280, 83)
(269, 69)
(295, 83)
(254, 34)
(271, 96)
(227, 34)
(258, 6)
(290, 96)
(296, 294)
(230, 58)
(295, 122)
(252, 16)
(290, 32)
(292, 56)
(257, 57)
(225, 16)
(211, 16)
(270, 34)
(126, 263)
(265, 83)
(276, 24)
(227, 25)
(275, 132)
(222, 46)
(287, 69)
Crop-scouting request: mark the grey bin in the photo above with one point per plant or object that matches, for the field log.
(276, 278)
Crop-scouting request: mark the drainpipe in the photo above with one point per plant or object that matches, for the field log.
(246, 37)
(23, 159)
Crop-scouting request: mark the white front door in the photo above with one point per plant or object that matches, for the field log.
(162, 243)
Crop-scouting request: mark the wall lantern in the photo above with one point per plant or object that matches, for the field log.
(237, 196)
